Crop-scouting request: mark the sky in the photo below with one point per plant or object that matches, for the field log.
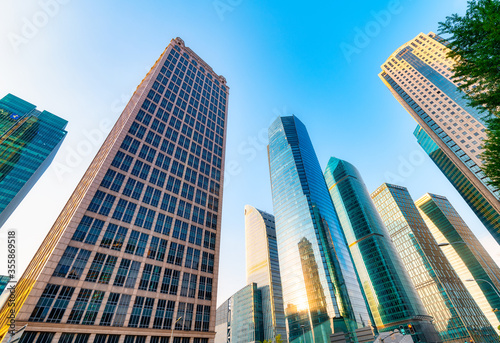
(82, 60)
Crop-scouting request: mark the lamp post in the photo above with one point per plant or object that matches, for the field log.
(489, 283)
(172, 332)
(477, 252)
(303, 335)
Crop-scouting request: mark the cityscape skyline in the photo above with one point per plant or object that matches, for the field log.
(413, 177)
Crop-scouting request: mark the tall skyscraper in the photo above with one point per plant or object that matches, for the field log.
(29, 140)
(240, 318)
(391, 296)
(263, 268)
(457, 317)
(418, 75)
(134, 254)
(465, 253)
(321, 293)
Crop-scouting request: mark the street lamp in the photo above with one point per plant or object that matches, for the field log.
(172, 332)
(303, 335)
(477, 252)
(489, 283)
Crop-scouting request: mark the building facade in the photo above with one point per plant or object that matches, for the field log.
(390, 294)
(263, 268)
(29, 140)
(4, 281)
(457, 317)
(465, 253)
(133, 256)
(419, 76)
(240, 319)
(321, 293)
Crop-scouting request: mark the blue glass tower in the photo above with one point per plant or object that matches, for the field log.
(390, 294)
(29, 140)
(321, 293)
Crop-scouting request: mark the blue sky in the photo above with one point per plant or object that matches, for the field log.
(82, 60)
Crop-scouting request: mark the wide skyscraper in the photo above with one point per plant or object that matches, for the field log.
(263, 268)
(321, 292)
(134, 253)
(418, 75)
(390, 293)
(457, 317)
(240, 318)
(29, 140)
(465, 253)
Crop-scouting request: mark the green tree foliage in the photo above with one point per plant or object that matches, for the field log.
(474, 44)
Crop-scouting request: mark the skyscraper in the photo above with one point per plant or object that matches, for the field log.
(263, 268)
(465, 253)
(134, 253)
(321, 293)
(390, 293)
(240, 318)
(418, 75)
(29, 140)
(457, 317)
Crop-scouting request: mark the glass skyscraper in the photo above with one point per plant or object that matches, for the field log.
(240, 318)
(419, 76)
(321, 293)
(263, 268)
(133, 255)
(29, 140)
(391, 296)
(456, 315)
(465, 253)
(4, 281)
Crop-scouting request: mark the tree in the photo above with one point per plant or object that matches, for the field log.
(474, 44)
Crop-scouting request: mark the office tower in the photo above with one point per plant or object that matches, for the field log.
(29, 140)
(263, 268)
(240, 318)
(321, 293)
(457, 317)
(390, 294)
(418, 75)
(4, 281)
(133, 255)
(465, 253)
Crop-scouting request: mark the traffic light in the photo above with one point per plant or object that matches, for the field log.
(402, 330)
(411, 329)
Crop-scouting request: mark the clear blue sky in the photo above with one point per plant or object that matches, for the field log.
(82, 59)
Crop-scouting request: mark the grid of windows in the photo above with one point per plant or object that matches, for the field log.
(154, 213)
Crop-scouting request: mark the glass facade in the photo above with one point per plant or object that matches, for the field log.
(240, 318)
(390, 293)
(263, 268)
(28, 143)
(321, 293)
(465, 253)
(484, 207)
(134, 252)
(457, 317)
(419, 76)
(4, 281)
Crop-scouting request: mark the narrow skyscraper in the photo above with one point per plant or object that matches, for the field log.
(133, 256)
(465, 253)
(29, 140)
(418, 75)
(263, 268)
(390, 293)
(456, 315)
(321, 293)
